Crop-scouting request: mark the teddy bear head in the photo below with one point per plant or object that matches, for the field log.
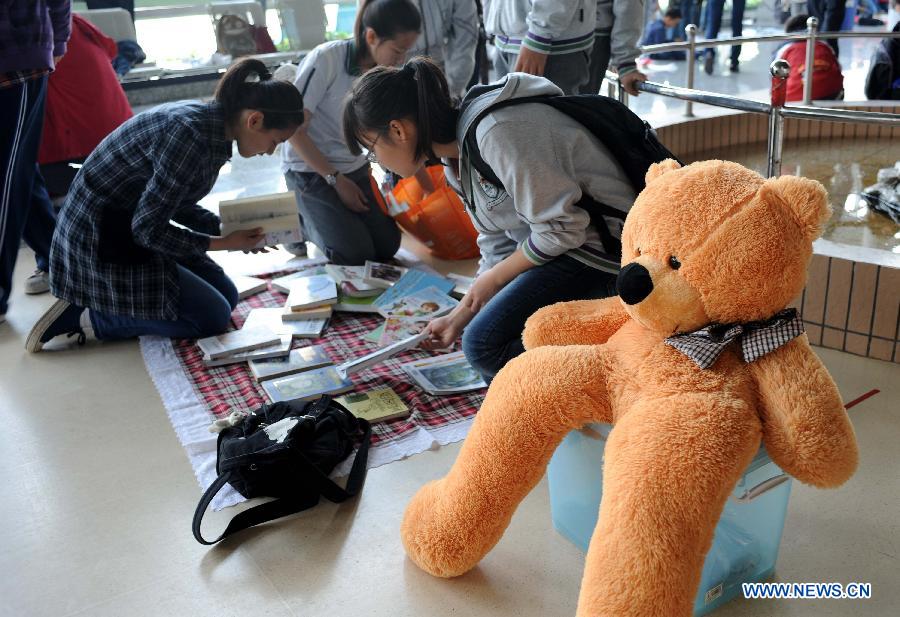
(715, 242)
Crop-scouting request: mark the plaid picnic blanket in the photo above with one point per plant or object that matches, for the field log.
(177, 366)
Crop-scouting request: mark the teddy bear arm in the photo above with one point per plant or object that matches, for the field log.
(580, 322)
(806, 429)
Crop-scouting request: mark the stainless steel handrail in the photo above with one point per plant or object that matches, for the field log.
(700, 96)
(840, 115)
(810, 36)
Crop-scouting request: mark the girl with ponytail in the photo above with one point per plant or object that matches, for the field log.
(333, 186)
(538, 246)
(118, 265)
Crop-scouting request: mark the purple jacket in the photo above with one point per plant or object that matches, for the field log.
(32, 32)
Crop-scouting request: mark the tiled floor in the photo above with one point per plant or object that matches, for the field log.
(99, 500)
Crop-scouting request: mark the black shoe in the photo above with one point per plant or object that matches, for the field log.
(61, 318)
(733, 67)
(708, 61)
(869, 21)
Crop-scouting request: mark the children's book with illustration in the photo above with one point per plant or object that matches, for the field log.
(279, 350)
(445, 374)
(379, 405)
(307, 385)
(410, 283)
(237, 341)
(396, 329)
(350, 281)
(421, 305)
(297, 361)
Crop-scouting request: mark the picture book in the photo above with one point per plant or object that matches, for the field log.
(382, 275)
(410, 283)
(297, 361)
(237, 341)
(307, 385)
(310, 292)
(423, 304)
(396, 329)
(379, 355)
(445, 374)
(276, 214)
(379, 405)
(248, 285)
(279, 350)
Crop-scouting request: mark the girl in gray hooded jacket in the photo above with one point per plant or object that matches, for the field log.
(537, 246)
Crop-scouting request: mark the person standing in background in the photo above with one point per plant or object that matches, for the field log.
(616, 36)
(547, 38)
(33, 39)
(830, 14)
(714, 11)
(449, 37)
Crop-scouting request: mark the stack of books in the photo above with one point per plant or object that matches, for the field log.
(310, 297)
(243, 345)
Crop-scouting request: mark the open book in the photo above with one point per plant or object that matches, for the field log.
(276, 214)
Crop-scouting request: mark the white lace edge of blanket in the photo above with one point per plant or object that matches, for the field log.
(191, 418)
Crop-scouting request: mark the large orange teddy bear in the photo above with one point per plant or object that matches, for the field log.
(694, 364)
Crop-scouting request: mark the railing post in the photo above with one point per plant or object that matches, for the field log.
(691, 31)
(780, 69)
(812, 27)
(621, 94)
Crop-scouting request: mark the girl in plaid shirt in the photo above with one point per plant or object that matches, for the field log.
(117, 263)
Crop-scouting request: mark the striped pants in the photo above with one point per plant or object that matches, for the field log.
(25, 208)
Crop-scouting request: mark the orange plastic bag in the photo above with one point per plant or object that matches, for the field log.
(439, 221)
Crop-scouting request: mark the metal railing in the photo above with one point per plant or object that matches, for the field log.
(811, 35)
(775, 109)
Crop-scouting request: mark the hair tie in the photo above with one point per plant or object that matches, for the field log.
(258, 76)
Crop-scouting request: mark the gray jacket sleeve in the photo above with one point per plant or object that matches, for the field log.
(461, 33)
(494, 247)
(628, 24)
(548, 20)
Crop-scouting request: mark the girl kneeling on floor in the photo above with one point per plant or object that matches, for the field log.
(333, 185)
(117, 263)
(537, 246)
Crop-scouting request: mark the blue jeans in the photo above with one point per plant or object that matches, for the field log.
(714, 11)
(25, 208)
(207, 297)
(494, 337)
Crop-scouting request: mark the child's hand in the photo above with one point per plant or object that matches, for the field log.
(442, 332)
(240, 240)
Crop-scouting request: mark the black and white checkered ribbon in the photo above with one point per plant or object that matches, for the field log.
(757, 338)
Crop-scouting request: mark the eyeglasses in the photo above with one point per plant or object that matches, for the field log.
(370, 154)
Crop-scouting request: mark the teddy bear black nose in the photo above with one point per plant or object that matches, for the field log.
(634, 283)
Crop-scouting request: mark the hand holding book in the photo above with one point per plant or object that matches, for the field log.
(239, 240)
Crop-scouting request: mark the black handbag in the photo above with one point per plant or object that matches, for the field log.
(286, 450)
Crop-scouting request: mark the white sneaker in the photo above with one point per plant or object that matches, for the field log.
(296, 248)
(37, 283)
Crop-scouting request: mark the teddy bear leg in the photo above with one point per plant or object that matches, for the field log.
(536, 399)
(669, 467)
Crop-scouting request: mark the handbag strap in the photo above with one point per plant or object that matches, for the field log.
(285, 506)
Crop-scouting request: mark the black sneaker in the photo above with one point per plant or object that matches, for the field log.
(708, 61)
(733, 67)
(61, 318)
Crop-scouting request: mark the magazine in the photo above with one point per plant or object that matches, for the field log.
(299, 360)
(446, 374)
(276, 214)
(283, 283)
(396, 329)
(424, 304)
(307, 385)
(279, 350)
(379, 405)
(311, 291)
(247, 285)
(237, 341)
(410, 283)
(380, 355)
(271, 319)
(382, 275)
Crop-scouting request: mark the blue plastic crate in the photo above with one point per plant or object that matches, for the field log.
(745, 546)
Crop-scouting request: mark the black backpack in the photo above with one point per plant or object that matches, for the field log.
(630, 139)
(286, 450)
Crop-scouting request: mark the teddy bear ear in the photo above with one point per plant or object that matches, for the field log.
(658, 169)
(805, 199)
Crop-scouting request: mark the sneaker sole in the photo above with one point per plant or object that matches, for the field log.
(35, 292)
(33, 343)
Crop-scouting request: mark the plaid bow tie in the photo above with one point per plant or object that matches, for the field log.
(757, 338)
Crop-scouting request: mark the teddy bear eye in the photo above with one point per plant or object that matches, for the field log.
(638, 251)
(674, 263)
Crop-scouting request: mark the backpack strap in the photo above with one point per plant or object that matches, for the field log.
(285, 506)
